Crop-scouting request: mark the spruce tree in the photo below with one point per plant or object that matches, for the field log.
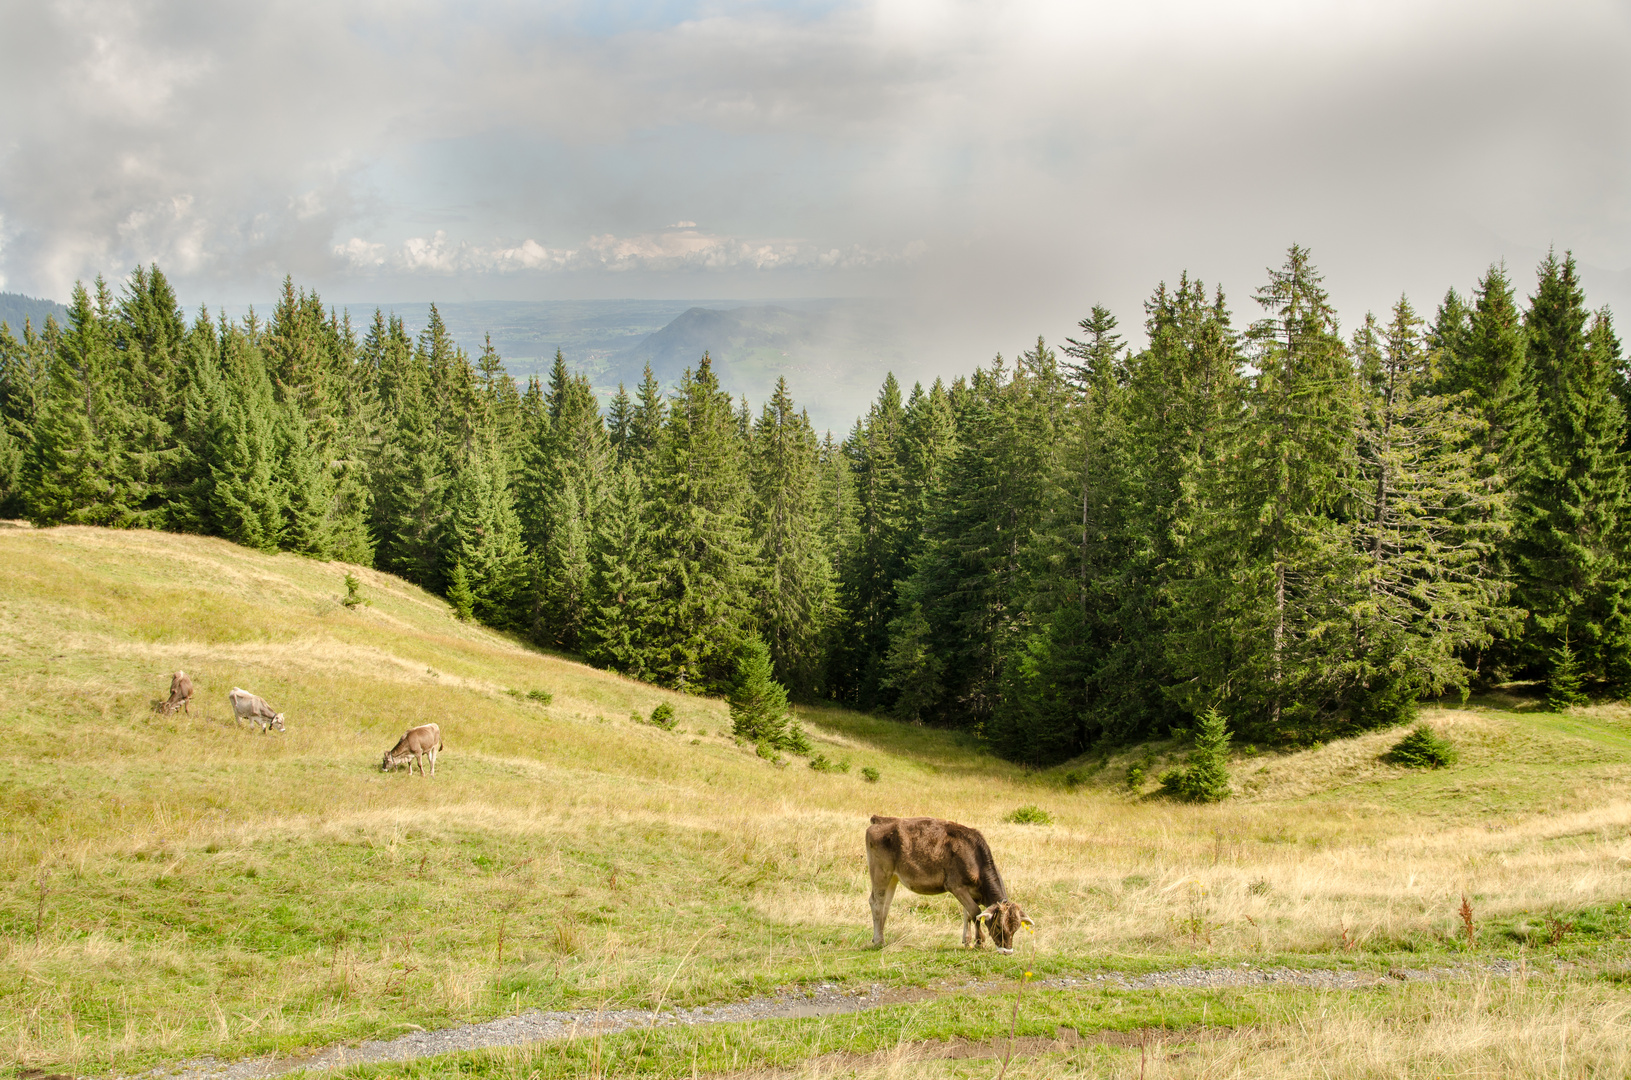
(1569, 563)
(758, 703)
(1424, 526)
(619, 595)
(703, 565)
(80, 469)
(877, 560)
(1264, 608)
(795, 590)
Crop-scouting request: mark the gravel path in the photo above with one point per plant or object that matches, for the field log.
(824, 1000)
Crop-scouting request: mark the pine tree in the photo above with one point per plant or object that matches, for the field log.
(459, 594)
(412, 470)
(80, 469)
(795, 588)
(1564, 687)
(1149, 563)
(1569, 564)
(484, 534)
(703, 565)
(619, 597)
(758, 703)
(1424, 526)
(1264, 607)
(234, 412)
(1206, 776)
(877, 561)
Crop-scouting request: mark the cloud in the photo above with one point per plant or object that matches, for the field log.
(667, 250)
(1007, 164)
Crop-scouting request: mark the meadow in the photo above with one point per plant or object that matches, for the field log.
(175, 886)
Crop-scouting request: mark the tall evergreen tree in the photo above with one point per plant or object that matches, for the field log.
(1569, 557)
(703, 565)
(1263, 606)
(795, 588)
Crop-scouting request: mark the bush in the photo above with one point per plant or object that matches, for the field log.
(1206, 777)
(1422, 749)
(870, 774)
(822, 763)
(663, 716)
(542, 697)
(1030, 815)
(1135, 776)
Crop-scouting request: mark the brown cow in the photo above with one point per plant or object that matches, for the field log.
(426, 739)
(247, 705)
(930, 856)
(181, 692)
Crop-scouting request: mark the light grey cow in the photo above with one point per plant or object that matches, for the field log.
(426, 740)
(247, 706)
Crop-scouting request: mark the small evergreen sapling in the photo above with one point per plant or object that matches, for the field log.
(759, 710)
(663, 716)
(1563, 690)
(1206, 778)
(353, 591)
(1422, 749)
(459, 594)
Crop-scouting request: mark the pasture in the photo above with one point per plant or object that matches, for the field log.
(181, 885)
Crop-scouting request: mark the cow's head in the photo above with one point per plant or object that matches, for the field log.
(1004, 919)
(390, 761)
(277, 722)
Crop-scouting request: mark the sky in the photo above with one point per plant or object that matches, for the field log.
(996, 168)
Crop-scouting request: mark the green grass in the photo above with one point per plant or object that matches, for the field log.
(178, 885)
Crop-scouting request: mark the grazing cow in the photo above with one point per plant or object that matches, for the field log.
(247, 705)
(426, 740)
(181, 692)
(930, 856)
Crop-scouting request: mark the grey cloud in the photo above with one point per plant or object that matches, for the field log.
(1000, 167)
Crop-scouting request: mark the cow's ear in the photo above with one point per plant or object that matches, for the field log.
(985, 916)
(1028, 924)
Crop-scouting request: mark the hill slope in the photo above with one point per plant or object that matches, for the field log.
(16, 310)
(171, 885)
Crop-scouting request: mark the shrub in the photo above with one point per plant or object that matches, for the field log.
(663, 716)
(1030, 815)
(1135, 775)
(1422, 749)
(1563, 689)
(822, 763)
(1206, 777)
(870, 774)
(542, 697)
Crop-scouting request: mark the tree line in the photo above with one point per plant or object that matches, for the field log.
(1304, 531)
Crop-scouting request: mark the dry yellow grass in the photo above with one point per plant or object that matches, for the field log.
(173, 885)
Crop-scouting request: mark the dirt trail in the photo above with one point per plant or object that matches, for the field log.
(825, 1000)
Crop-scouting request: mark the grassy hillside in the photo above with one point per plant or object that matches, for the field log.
(176, 885)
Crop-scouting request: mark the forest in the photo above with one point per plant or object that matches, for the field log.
(1308, 531)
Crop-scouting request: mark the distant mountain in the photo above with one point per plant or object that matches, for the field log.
(833, 353)
(16, 309)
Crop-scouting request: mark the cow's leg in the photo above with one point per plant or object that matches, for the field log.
(971, 913)
(883, 894)
(432, 756)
